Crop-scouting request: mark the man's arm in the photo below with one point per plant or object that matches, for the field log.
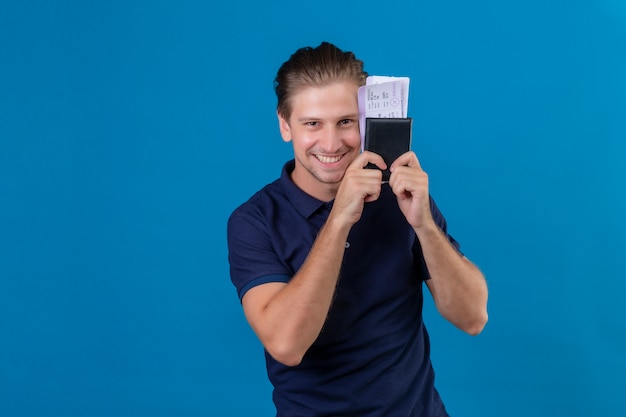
(458, 287)
(288, 318)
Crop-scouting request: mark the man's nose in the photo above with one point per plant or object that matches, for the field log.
(331, 140)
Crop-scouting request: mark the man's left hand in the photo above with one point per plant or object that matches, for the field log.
(409, 183)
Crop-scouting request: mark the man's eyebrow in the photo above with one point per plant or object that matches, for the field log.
(315, 118)
(344, 116)
(307, 118)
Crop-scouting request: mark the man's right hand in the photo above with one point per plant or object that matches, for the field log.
(359, 186)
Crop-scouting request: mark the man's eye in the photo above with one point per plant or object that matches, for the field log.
(312, 124)
(345, 121)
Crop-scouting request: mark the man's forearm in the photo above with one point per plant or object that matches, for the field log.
(294, 316)
(458, 287)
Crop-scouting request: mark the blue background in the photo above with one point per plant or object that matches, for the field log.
(129, 130)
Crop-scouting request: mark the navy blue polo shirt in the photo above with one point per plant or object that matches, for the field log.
(372, 357)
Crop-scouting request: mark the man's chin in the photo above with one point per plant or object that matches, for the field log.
(330, 179)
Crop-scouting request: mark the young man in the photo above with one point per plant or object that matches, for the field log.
(329, 262)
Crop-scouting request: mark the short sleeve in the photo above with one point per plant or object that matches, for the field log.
(443, 225)
(440, 221)
(253, 260)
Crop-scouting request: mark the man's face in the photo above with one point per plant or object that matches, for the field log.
(324, 130)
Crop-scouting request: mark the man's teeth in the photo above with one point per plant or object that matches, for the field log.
(328, 159)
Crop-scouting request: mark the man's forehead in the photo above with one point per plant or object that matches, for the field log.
(330, 86)
(338, 95)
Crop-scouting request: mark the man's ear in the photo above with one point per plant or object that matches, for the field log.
(285, 129)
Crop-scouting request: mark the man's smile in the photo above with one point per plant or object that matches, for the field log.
(328, 159)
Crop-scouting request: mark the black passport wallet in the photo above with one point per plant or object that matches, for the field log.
(389, 138)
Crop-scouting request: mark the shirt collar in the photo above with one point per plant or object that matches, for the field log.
(303, 202)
